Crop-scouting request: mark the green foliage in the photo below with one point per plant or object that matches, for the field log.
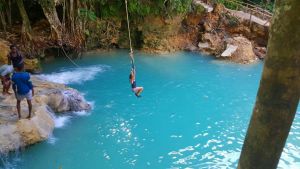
(232, 20)
(90, 15)
(265, 4)
(141, 8)
(87, 32)
(270, 7)
(199, 9)
(229, 4)
(107, 8)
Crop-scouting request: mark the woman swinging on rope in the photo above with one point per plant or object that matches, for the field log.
(137, 90)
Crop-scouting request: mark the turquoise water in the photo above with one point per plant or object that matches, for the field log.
(193, 113)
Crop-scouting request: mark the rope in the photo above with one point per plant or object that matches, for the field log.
(69, 57)
(129, 36)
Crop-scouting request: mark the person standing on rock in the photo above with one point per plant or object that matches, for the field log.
(23, 88)
(15, 57)
(5, 71)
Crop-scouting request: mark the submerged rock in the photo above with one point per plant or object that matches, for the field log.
(49, 97)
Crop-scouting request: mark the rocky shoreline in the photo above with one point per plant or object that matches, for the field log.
(49, 98)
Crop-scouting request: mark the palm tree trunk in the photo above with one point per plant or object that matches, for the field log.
(279, 91)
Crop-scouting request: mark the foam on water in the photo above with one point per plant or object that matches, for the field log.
(81, 113)
(61, 121)
(92, 103)
(51, 140)
(74, 76)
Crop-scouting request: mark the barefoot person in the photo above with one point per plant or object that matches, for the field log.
(15, 57)
(5, 71)
(23, 88)
(137, 90)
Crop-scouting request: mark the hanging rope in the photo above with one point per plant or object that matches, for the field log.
(129, 36)
(69, 57)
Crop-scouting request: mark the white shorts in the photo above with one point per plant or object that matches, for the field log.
(6, 69)
(27, 96)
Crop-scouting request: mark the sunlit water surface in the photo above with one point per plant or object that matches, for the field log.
(193, 113)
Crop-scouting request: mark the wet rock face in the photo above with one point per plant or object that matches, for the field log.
(76, 101)
(49, 97)
(66, 101)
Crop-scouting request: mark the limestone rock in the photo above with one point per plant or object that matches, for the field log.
(193, 19)
(4, 50)
(28, 131)
(208, 8)
(10, 139)
(211, 43)
(219, 8)
(207, 27)
(161, 35)
(204, 45)
(244, 53)
(260, 52)
(229, 51)
(66, 101)
(191, 47)
(49, 97)
(32, 65)
(38, 128)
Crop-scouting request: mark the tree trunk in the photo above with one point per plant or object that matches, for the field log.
(72, 16)
(49, 9)
(3, 22)
(278, 94)
(8, 13)
(26, 28)
(64, 16)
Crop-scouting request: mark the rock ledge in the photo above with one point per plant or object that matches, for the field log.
(49, 97)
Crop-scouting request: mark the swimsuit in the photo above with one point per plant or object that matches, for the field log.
(133, 85)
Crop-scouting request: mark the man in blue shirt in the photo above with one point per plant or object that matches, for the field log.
(23, 88)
